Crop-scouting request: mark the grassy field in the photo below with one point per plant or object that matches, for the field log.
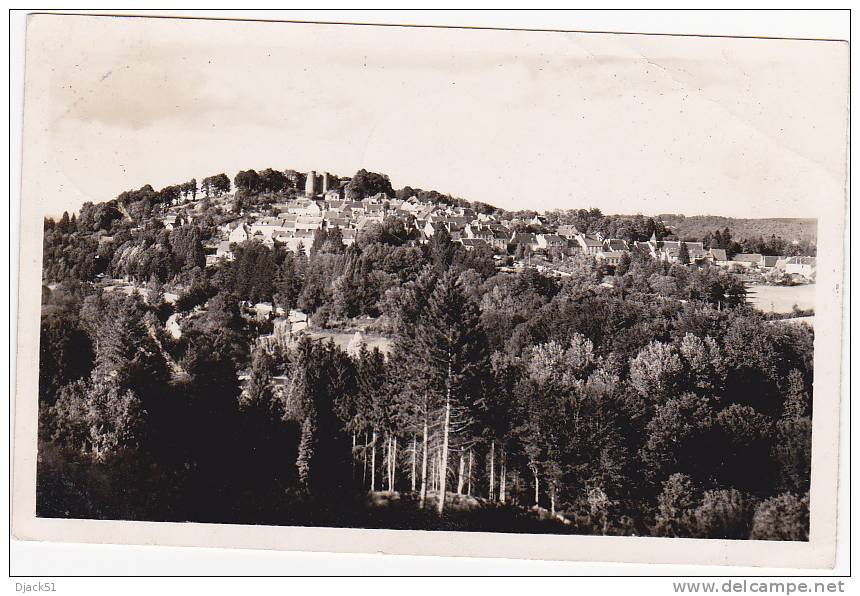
(781, 299)
(343, 339)
(798, 321)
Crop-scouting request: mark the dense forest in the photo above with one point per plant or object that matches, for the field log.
(658, 404)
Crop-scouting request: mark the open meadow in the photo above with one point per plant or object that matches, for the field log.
(781, 299)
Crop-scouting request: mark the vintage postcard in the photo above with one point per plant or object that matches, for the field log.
(418, 290)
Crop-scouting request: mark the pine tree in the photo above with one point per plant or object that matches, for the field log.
(442, 250)
(499, 415)
(301, 406)
(371, 407)
(319, 373)
(64, 226)
(415, 405)
(99, 419)
(320, 238)
(623, 264)
(306, 450)
(334, 242)
(450, 354)
(684, 254)
(258, 391)
(125, 350)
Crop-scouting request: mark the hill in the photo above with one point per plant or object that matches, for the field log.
(696, 226)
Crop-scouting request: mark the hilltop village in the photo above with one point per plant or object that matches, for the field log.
(323, 204)
(304, 213)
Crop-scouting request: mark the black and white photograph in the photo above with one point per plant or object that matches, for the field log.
(480, 282)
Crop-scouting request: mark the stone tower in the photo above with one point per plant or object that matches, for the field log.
(311, 184)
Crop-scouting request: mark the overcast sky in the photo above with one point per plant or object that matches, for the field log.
(626, 123)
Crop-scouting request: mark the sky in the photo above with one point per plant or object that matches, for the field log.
(537, 120)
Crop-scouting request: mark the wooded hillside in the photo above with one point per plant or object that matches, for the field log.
(695, 227)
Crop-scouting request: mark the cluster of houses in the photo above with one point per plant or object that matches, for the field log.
(670, 250)
(293, 224)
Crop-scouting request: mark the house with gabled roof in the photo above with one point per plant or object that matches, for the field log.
(374, 208)
(341, 222)
(363, 222)
(615, 244)
(454, 222)
(670, 250)
(282, 236)
(524, 239)
(456, 234)
(718, 255)
(610, 257)
(378, 198)
(479, 232)
(348, 236)
(550, 241)
(769, 262)
(649, 248)
(406, 216)
(292, 240)
(224, 251)
(567, 231)
(305, 222)
(266, 226)
(748, 259)
(805, 266)
(590, 245)
(473, 243)
(427, 230)
(303, 207)
(426, 211)
(333, 194)
(240, 233)
(354, 207)
(501, 238)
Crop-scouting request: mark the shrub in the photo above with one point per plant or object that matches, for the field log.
(785, 517)
(724, 513)
(674, 507)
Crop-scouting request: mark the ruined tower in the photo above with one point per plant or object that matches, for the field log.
(311, 187)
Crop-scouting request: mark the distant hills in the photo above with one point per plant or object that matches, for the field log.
(696, 226)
